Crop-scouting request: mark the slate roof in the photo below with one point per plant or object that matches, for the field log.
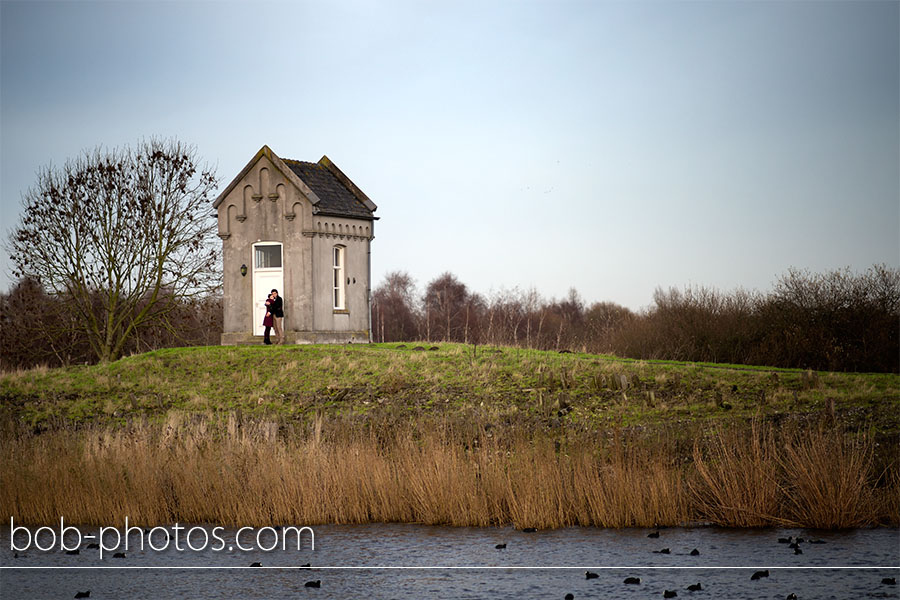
(336, 199)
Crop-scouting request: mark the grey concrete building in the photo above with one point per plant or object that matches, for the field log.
(306, 230)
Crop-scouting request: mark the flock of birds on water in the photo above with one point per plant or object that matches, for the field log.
(792, 542)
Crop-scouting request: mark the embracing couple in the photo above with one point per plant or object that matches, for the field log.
(274, 317)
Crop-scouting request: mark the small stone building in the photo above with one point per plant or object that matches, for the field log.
(306, 230)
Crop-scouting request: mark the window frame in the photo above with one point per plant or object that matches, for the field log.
(256, 249)
(338, 270)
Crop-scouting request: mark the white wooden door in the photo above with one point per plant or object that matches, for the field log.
(268, 274)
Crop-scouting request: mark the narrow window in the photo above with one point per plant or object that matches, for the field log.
(338, 268)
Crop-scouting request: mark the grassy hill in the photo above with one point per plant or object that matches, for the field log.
(399, 380)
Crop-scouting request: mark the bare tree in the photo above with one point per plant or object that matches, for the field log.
(451, 311)
(121, 236)
(394, 308)
(603, 320)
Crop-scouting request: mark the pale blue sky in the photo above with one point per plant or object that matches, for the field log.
(608, 146)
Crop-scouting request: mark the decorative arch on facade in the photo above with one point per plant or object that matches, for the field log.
(263, 184)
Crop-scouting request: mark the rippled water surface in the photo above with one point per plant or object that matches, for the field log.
(414, 561)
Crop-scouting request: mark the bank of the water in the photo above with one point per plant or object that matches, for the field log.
(456, 435)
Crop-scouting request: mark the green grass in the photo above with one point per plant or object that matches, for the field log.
(390, 380)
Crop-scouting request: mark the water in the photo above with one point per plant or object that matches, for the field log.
(415, 561)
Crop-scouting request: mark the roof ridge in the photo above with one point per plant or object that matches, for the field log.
(300, 162)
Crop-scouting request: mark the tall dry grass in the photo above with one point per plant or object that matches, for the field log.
(736, 479)
(630, 486)
(815, 477)
(827, 480)
(231, 472)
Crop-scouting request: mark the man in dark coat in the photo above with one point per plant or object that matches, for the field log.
(277, 310)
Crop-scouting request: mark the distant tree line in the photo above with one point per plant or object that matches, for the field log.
(837, 320)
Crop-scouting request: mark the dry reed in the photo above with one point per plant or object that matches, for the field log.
(737, 478)
(235, 472)
(827, 480)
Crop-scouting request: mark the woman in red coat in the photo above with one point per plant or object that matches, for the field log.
(269, 320)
